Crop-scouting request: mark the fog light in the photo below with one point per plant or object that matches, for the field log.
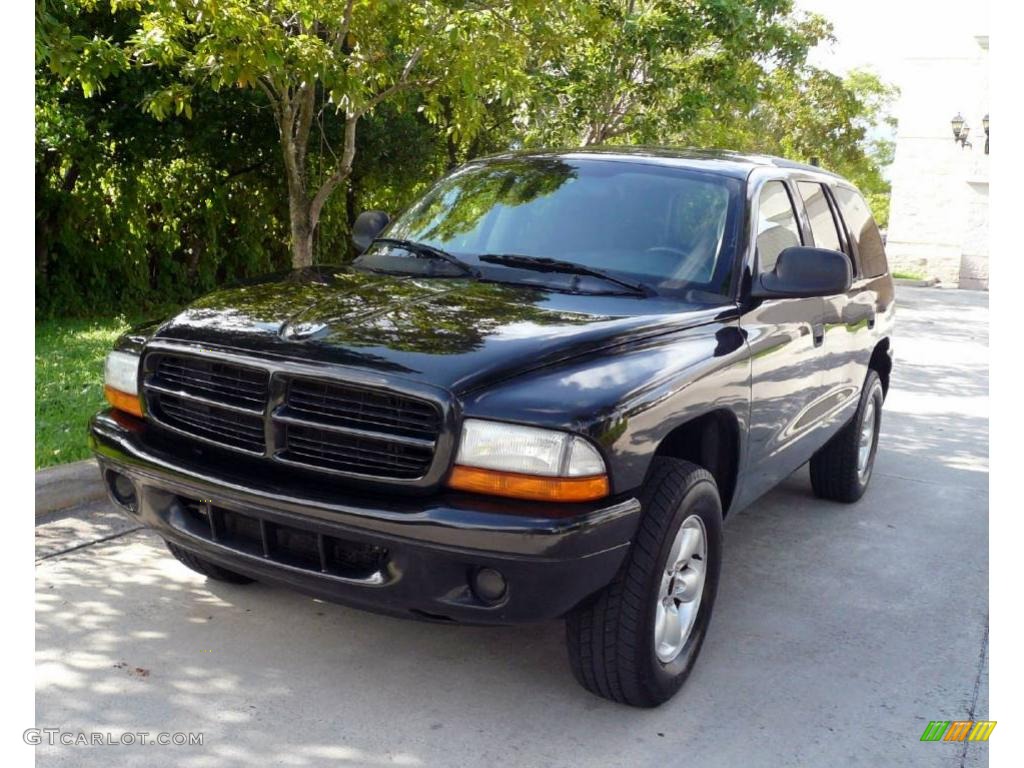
(123, 491)
(489, 585)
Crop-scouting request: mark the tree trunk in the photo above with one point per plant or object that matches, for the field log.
(300, 225)
(302, 232)
(303, 210)
(294, 116)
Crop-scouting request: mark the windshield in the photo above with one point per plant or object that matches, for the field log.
(665, 228)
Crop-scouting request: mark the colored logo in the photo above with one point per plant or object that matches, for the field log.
(958, 730)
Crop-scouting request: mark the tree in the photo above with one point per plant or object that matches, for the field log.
(814, 115)
(257, 112)
(310, 59)
(129, 210)
(638, 70)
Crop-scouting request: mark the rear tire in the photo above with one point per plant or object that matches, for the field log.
(841, 469)
(621, 646)
(205, 567)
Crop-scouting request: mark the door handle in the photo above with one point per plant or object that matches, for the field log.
(818, 332)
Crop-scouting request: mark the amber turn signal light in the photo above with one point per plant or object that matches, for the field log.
(123, 401)
(534, 487)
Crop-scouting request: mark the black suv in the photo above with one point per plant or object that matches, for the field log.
(535, 394)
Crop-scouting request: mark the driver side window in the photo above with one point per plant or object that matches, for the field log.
(777, 228)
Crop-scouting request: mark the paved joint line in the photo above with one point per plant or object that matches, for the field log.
(933, 483)
(83, 545)
(977, 688)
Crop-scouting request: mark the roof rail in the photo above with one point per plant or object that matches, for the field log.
(782, 162)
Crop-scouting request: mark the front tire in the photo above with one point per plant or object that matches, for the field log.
(842, 468)
(636, 641)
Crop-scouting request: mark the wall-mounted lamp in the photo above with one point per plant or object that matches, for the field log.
(984, 124)
(960, 130)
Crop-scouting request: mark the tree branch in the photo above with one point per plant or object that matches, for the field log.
(343, 166)
(341, 170)
(346, 25)
(268, 88)
(306, 99)
(399, 84)
(323, 133)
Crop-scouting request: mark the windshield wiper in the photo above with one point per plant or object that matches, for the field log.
(429, 251)
(544, 264)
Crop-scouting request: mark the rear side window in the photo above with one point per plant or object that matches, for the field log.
(777, 229)
(823, 223)
(864, 232)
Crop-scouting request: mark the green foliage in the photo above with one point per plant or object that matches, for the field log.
(69, 384)
(907, 275)
(182, 145)
(638, 70)
(813, 115)
(310, 56)
(126, 215)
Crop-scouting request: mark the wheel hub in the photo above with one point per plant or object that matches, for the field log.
(867, 438)
(682, 585)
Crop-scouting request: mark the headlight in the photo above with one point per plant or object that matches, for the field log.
(527, 462)
(121, 382)
(122, 372)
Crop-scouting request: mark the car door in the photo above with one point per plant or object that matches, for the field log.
(785, 340)
(849, 319)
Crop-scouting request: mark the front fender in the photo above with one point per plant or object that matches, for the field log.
(627, 399)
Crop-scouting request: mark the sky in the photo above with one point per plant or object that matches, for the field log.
(880, 34)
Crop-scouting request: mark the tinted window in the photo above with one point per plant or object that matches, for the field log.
(864, 232)
(776, 224)
(823, 224)
(665, 227)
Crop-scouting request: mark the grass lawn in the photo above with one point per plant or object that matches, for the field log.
(69, 384)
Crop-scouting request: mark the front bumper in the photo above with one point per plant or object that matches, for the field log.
(412, 557)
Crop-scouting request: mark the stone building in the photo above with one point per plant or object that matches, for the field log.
(938, 216)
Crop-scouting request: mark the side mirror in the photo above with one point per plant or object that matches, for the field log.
(368, 225)
(801, 272)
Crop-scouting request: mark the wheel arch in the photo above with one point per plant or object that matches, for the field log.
(881, 363)
(711, 441)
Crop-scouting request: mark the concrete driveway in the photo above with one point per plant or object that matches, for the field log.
(839, 632)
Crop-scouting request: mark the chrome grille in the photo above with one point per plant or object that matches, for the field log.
(344, 428)
(348, 452)
(360, 408)
(237, 430)
(212, 379)
(320, 424)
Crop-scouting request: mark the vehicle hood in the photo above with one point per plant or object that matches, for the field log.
(458, 334)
